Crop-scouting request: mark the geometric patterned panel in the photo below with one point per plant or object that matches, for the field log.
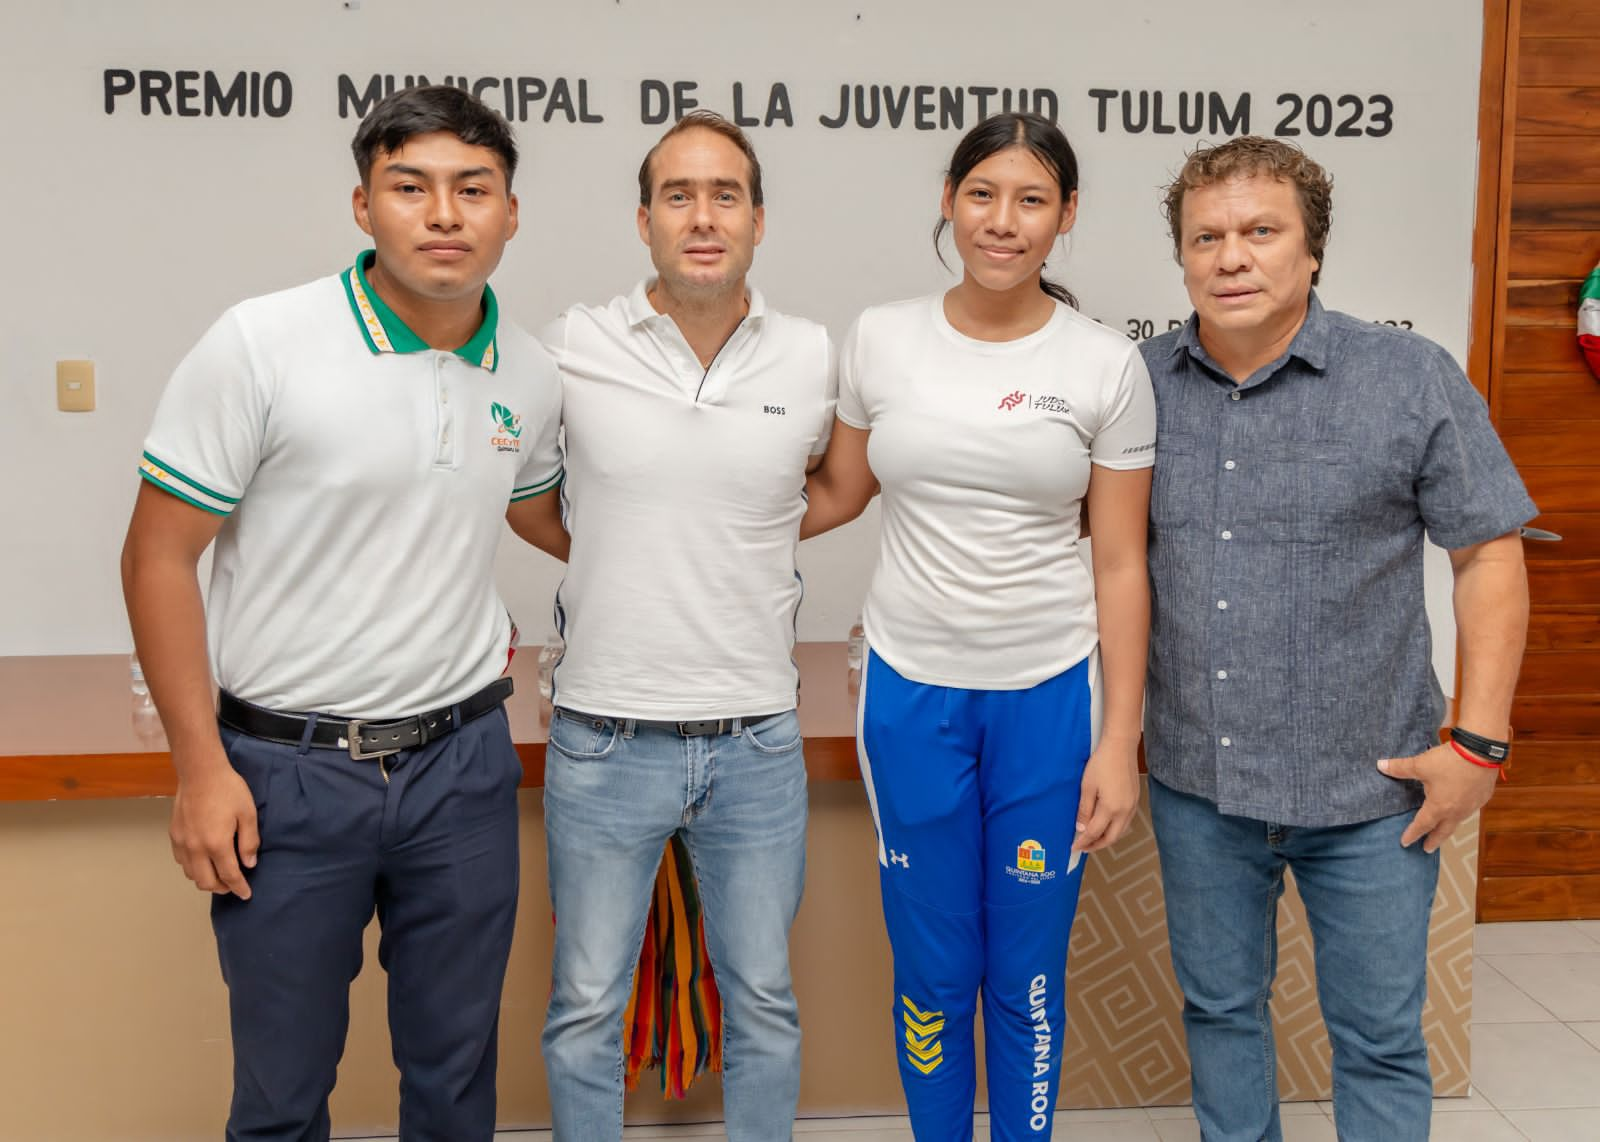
(1124, 1034)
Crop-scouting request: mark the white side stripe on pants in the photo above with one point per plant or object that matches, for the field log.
(861, 755)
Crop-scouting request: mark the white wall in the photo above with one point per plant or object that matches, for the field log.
(125, 235)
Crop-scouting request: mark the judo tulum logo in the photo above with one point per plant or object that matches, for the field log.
(1012, 401)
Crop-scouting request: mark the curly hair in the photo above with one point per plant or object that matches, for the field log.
(1253, 155)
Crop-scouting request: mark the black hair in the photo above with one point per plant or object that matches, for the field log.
(425, 110)
(1043, 139)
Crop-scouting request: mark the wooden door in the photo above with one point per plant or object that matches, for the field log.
(1539, 236)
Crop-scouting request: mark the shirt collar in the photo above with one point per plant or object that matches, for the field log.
(641, 312)
(384, 332)
(1310, 342)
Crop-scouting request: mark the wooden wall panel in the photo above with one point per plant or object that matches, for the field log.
(1573, 762)
(1558, 110)
(1490, 226)
(1563, 489)
(1564, 62)
(1556, 718)
(1543, 301)
(1541, 159)
(1532, 853)
(1551, 254)
(1550, 672)
(1548, 302)
(1572, 395)
(1544, 18)
(1515, 809)
(1552, 628)
(1555, 205)
(1570, 584)
(1543, 351)
(1541, 833)
(1546, 444)
(1538, 897)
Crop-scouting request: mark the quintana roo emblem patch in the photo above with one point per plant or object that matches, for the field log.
(1031, 867)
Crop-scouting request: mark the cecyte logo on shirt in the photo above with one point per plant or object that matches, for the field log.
(507, 429)
(1030, 856)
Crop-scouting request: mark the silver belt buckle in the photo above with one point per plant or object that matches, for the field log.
(352, 739)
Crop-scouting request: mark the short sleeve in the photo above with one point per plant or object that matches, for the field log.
(1126, 435)
(830, 395)
(206, 440)
(542, 465)
(1468, 490)
(852, 406)
(554, 338)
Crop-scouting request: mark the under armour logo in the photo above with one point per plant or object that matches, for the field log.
(901, 859)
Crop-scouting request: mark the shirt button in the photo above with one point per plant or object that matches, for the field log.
(1233, 396)
(1227, 535)
(1229, 465)
(1222, 604)
(1227, 741)
(1222, 675)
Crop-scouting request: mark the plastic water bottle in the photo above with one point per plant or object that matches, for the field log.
(146, 721)
(549, 654)
(855, 644)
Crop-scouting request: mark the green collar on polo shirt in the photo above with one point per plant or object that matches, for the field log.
(386, 333)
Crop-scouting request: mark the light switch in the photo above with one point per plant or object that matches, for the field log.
(75, 386)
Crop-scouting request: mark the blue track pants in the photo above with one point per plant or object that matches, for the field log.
(975, 795)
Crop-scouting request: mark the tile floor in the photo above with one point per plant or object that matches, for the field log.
(1535, 1063)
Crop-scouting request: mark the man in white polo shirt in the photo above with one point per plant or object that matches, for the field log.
(352, 446)
(691, 413)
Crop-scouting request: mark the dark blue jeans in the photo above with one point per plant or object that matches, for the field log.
(433, 851)
(1368, 902)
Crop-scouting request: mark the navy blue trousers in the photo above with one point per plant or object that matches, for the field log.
(432, 849)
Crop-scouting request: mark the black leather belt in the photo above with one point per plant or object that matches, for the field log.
(697, 728)
(363, 739)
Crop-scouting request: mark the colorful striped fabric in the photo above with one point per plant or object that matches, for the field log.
(674, 1016)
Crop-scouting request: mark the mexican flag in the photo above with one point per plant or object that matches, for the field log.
(1589, 320)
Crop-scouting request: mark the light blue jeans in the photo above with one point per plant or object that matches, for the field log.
(1368, 903)
(614, 793)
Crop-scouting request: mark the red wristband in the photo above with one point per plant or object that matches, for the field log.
(1479, 762)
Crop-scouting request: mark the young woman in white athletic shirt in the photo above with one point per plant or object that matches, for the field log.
(1002, 685)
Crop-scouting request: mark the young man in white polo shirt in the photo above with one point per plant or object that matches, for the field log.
(692, 412)
(352, 445)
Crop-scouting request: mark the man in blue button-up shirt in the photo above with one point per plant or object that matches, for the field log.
(1293, 717)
